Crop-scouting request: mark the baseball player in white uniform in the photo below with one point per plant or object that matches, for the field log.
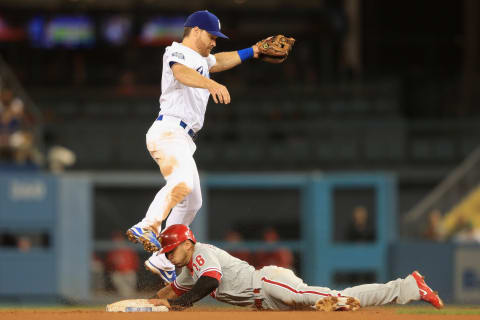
(186, 87)
(207, 269)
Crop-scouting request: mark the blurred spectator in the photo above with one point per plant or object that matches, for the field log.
(468, 234)
(8, 124)
(98, 274)
(235, 237)
(434, 230)
(58, 156)
(122, 264)
(464, 230)
(360, 230)
(281, 257)
(24, 244)
(16, 139)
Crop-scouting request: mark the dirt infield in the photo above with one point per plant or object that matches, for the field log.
(230, 314)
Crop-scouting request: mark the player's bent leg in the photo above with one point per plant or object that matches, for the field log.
(179, 191)
(180, 183)
(193, 202)
(146, 232)
(183, 213)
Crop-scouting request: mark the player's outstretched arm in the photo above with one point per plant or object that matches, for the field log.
(274, 49)
(189, 77)
(166, 292)
(202, 288)
(230, 59)
(162, 296)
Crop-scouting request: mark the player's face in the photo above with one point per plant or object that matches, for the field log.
(206, 42)
(179, 256)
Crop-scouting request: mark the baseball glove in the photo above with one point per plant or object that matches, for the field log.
(275, 49)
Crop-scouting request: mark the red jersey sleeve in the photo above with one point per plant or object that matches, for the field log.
(213, 274)
(178, 289)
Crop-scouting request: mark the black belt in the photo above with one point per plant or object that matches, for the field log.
(191, 133)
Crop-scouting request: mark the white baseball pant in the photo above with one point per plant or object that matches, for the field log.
(172, 148)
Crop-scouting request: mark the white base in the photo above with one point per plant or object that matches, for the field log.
(134, 305)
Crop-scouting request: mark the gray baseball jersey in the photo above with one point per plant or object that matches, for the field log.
(277, 288)
(235, 275)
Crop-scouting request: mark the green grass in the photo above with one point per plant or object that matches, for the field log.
(448, 310)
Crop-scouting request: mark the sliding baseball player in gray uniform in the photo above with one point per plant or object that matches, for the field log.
(206, 269)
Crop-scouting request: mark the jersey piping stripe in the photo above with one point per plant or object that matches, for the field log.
(179, 286)
(178, 291)
(175, 283)
(293, 290)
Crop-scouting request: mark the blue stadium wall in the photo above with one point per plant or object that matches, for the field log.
(61, 206)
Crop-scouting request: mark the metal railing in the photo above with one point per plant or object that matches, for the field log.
(448, 193)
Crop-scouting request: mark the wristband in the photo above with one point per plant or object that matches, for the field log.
(245, 54)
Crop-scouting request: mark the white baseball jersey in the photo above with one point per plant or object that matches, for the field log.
(277, 288)
(186, 103)
(168, 139)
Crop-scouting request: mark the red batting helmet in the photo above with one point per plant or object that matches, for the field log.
(174, 235)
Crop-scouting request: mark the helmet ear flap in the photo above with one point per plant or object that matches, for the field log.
(191, 236)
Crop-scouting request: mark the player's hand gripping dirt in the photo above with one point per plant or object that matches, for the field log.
(160, 302)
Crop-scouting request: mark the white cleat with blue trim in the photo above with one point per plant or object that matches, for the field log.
(167, 276)
(146, 237)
